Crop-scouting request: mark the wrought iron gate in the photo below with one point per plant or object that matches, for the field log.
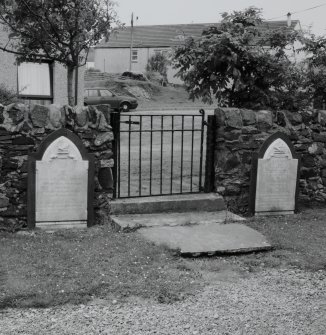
(158, 154)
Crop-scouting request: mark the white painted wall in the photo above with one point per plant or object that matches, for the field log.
(60, 92)
(116, 60)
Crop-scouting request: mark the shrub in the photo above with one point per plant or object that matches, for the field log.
(7, 96)
(92, 69)
(158, 63)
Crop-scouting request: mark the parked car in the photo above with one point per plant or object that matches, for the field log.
(100, 95)
(134, 75)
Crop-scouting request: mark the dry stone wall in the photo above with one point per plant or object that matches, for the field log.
(21, 132)
(240, 133)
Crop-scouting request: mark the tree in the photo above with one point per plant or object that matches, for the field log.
(315, 47)
(57, 30)
(232, 63)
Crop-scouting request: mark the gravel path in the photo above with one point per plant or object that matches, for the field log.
(267, 302)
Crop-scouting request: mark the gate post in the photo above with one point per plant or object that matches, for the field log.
(210, 154)
(115, 123)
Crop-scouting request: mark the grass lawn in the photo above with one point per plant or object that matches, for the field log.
(43, 269)
(74, 266)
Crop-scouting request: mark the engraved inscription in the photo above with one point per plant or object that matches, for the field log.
(61, 191)
(278, 149)
(61, 148)
(63, 151)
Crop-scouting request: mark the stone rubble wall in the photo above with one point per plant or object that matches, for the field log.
(21, 132)
(241, 132)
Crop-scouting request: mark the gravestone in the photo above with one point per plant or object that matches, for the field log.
(60, 182)
(274, 177)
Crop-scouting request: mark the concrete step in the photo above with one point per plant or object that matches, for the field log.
(58, 226)
(131, 222)
(207, 202)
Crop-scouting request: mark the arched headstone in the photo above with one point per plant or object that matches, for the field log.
(274, 177)
(60, 182)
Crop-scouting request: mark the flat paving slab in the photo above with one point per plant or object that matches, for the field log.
(208, 238)
(134, 221)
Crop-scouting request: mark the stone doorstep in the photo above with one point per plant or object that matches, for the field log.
(208, 238)
(208, 202)
(131, 222)
(276, 213)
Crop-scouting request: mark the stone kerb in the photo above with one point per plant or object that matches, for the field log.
(241, 132)
(21, 132)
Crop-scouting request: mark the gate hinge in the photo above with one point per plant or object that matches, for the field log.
(205, 123)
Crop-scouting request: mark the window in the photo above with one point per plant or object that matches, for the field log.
(92, 93)
(134, 56)
(163, 52)
(105, 93)
(35, 80)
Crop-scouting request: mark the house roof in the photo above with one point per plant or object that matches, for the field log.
(169, 35)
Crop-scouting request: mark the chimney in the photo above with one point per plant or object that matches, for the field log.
(289, 19)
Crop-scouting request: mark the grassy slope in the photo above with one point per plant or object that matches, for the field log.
(160, 97)
(50, 269)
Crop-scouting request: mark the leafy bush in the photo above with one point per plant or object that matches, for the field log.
(158, 63)
(315, 48)
(7, 96)
(92, 69)
(232, 63)
(155, 77)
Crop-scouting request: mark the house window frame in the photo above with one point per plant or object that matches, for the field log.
(134, 56)
(33, 96)
(162, 51)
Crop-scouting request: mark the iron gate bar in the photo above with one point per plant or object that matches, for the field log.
(181, 165)
(192, 150)
(115, 128)
(161, 176)
(159, 130)
(119, 163)
(129, 145)
(140, 128)
(157, 195)
(129, 122)
(202, 112)
(151, 159)
(116, 153)
(172, 148)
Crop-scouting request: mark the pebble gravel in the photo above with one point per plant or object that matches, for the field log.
(272, 301)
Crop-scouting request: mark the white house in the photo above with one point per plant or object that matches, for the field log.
(114, 56)
(43, 83)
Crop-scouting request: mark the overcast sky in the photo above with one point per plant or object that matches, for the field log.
(208, 11)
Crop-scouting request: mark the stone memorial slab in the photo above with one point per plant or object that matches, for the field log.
(274, 178)
(60, 182)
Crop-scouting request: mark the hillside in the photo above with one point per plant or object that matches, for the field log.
(150, 94)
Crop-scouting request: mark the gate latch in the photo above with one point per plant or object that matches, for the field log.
(130, 122)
